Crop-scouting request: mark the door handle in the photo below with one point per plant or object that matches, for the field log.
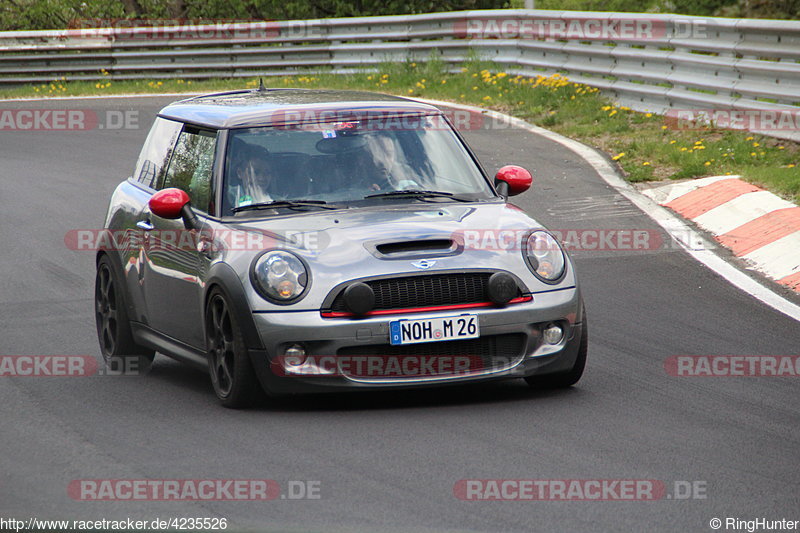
(145, 225)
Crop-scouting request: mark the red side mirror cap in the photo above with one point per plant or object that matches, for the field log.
(517, 178)
(168, 203)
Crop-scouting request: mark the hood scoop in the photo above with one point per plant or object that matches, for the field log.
(413, 249)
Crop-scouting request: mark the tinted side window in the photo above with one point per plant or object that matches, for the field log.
(191, 166)
(156, 151)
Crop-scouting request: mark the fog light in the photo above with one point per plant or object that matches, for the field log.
(553, 334)
(294, 355)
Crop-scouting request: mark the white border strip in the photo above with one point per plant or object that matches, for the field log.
(694, 243)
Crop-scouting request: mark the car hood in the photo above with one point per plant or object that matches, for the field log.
(353, 227)
(342, 245)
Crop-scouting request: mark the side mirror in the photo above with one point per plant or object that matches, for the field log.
(512, 180)
(171, 204)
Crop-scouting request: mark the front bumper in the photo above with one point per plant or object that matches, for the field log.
(331, 338)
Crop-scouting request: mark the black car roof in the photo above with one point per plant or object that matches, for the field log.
(281, 106)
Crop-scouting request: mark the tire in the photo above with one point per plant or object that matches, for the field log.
(569, 378)
(232, 374)
(113, 324)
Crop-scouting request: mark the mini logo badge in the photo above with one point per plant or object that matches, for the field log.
(424, 264)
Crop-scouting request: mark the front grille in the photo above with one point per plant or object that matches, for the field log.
(425, 291)
(490, 352)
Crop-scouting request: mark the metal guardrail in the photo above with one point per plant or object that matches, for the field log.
(667, 62)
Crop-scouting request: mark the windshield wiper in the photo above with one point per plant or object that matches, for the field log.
(419, 193)
(322, 204)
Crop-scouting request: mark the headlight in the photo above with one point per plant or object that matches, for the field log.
(279, 276)
(544, 256)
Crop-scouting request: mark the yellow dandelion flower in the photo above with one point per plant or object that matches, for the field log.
(646, 164)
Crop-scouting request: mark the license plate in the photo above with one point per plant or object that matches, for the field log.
(434, 329)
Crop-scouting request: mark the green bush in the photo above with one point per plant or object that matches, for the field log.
(51, 14)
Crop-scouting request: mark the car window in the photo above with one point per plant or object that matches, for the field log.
(348, 161)
(191, 166)
(156, 151)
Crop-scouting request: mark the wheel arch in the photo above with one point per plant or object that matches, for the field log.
(223, 276)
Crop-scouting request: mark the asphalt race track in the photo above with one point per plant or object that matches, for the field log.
(389, 461)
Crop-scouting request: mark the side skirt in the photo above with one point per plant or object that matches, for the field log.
(168, 346)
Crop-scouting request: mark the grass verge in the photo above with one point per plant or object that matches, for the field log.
(646, 146)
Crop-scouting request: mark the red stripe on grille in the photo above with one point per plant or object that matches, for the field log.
(429, 309)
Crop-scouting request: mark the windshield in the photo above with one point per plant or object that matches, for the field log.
(351, 163)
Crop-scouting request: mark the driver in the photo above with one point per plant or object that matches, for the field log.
(251, 176)
(391, 173)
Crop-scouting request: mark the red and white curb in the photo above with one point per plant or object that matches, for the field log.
(756, 225)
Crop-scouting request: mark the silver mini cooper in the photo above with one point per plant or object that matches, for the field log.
(314, 241)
